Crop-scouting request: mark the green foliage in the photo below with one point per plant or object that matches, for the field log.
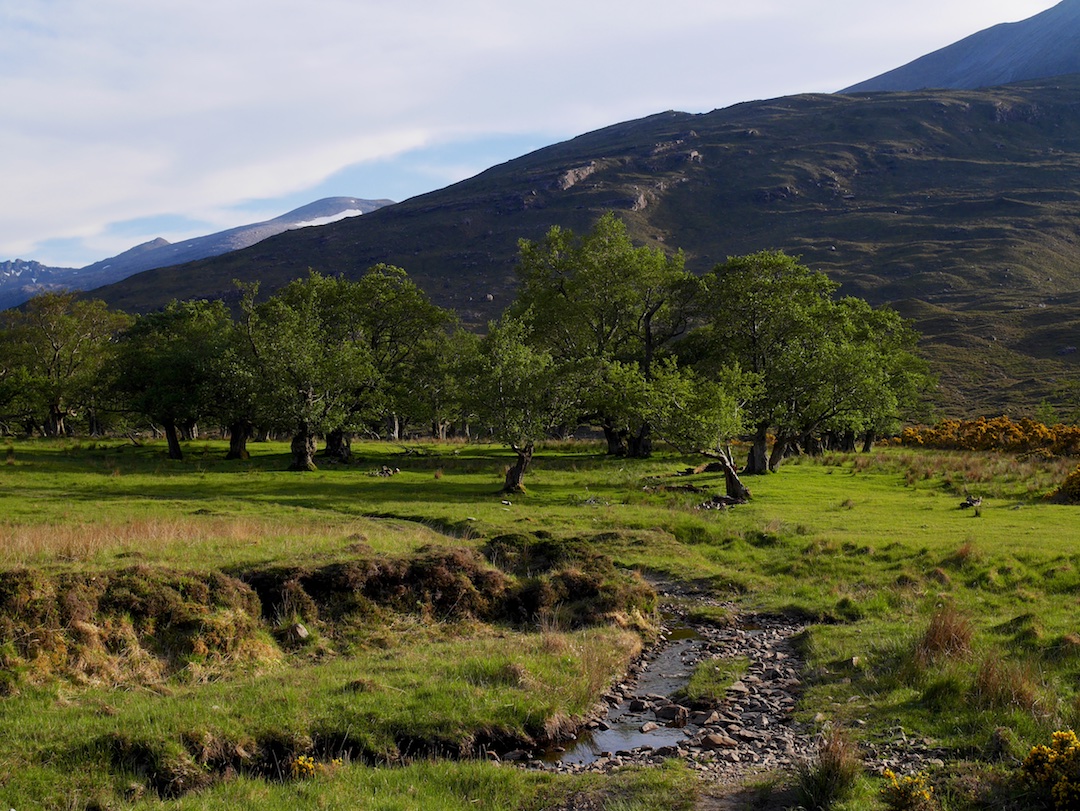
(174, 365)
(54, 350)
(598, 296)
(601, 303)
(819, 365)
(520, 392)
(308, 343)
(696, 414)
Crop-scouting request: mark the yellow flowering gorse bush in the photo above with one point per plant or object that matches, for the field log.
(908, 792)
(996, 434)
(1054, 771)
(1069, 491)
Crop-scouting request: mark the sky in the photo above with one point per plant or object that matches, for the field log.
(127, 120)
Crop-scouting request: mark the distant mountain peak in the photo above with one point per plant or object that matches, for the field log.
(1039, 47)
(20, 280)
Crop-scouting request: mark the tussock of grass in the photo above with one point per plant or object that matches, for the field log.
(948, 636)
(830, 775)
(1004, 684)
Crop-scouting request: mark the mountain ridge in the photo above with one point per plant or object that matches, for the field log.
(157, 253)
(1039, 47)
(958, 207)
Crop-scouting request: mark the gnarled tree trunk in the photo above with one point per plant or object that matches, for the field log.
(303, 450)
(757, 461)
(733, 486)
(616, 439)
(54, 423)
(239, 433)
(172, 436)
(868, 441)
(641, 443)
(339, 445)
(93, 423)
(783, 447)
(811, 444)
(515, 476)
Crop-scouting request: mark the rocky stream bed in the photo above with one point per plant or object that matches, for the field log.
(753, 730)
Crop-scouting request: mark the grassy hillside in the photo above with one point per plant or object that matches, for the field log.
(958, 207)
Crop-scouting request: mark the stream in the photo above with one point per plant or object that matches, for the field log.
(663, 672)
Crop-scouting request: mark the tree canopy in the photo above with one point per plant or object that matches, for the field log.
(169, 365)
(819, 363)
(58, 345)
(521, 392)
(602, 332)
(598, 300)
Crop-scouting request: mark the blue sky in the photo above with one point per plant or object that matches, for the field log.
(126, 120)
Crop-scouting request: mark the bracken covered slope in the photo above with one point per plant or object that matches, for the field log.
(960, 208)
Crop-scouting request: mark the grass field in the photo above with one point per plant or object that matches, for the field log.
(213, 634)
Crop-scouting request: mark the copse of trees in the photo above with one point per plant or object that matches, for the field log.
(170, 366)
(822, 366)
(52, 353)
(602, 332)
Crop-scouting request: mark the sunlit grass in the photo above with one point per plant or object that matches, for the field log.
(874, 546)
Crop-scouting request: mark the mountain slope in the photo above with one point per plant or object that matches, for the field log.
(21, 280)
(1045, 45)
(962, 208)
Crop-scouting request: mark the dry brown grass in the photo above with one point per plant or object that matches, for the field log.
(1004, 684)
(22, 544)
(948, 636)
(831, 774)
(80, 541)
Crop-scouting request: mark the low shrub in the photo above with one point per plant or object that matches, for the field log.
(1069, 490)
(1053, 772)
(908, 792)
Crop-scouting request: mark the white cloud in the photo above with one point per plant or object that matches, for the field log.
(123, 109)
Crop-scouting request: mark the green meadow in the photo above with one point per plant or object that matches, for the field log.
(220, 634)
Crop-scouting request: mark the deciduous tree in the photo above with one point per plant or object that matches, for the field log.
(313, 357)
(60, 343)
(521, 393)
(820, 364)
(598, 300)
(168, 364)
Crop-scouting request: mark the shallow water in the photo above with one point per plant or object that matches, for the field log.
(666, 671)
